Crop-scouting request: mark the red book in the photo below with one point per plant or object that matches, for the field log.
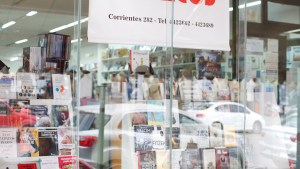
(222, 158)
(27, 166)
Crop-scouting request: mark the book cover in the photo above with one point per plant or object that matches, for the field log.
(209, 158)
(162, 158)
(208, 64)
(44, 86)
(139, 119)
(8, 142)
(42, 115)
(49, 162)
(8, 166)
(143, 138)
(190, 136)
(8, 86)
(48, 142)
(230, 136)
(216, 135)
(18, 104)
(147, 160)
(61, 86)
(155, 117)
(175, 141)
(60, 114)
(139, 58)
(191, 159)
(66, 143)
(67, 162)
(26, 86)
(28, 142)
(27, 166)
(222, 158)
(158, 138)
(33, 59)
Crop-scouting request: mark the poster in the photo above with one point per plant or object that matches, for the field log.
(61, 86)
(197, 24)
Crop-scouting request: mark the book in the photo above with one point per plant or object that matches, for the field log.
(222, 158)
(28, 142)
(147, 160)
(209, 158)
(216, 135)
(155, 117)
(230, 136)
(19, 104)
(235, 158)
(8, 142)
(175, 113)
(48, 142)
(139, 119)
(190, 136)
(42, 115)
(158, 138)
(49, 162)
(27, 166)
(34, 59)
(139, 58)
(8, 86)
(174, 139)
(208, 64)
(66, 143)
(143, 138)
(67, 162)
(60, 114)
(61, 87)
(162, 158)
(4, 110)
(190, 159)
(176, 159)
(26, 86)
(44, 86)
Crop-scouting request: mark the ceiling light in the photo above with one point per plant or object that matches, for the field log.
(293, 31)
(68, 25)
(230, 9)
(75, 40)
(13, 59)
(8, 24)
(21, 41)
(31, 13)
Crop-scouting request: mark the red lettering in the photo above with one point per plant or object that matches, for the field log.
(183, 1)
(210, 2)
(196, 1)
(207, 2)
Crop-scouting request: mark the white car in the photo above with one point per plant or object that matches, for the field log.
(230, 113)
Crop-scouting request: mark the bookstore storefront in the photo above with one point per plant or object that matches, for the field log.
(139, 84)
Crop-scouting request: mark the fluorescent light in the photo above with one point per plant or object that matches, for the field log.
(75, 40)
(8, 24)
(255, 3)
(13, 59)
(68, 25)
(31, 13)
(293, 31)
(230, 9)
(21, 41)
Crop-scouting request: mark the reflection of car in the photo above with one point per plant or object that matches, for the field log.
(12, 118)
(231, 113)
(115, 120)
(279, 142)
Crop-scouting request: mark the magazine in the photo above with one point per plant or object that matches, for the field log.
(175, 137)
(208, 63)
(143, 138)
(66, 143)
(190, 159)
(190, 136)
(8, 142)
(49, 162)
(209, 158)
(61, 87)
(222, 158)
(26, 86)
(27, 166)
(158, 138)
(28, 142)
(155, 117)
(48, 142)
(60, 115)
(42, 115)
(147, 160)
(216, 135)
(162, 158)
(175, 113)
(7, 86)
(67, 162)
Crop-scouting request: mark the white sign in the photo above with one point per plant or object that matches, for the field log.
(197, 23)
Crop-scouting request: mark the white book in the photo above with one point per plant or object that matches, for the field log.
(8, 142)
(26, 86)
(61, 87)
(49, 162)
(8, 86)
(209, 158)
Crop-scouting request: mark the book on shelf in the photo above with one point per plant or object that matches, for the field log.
(58, 46)
(28, 142)
(8, 86)
(235, 158)
(26, 86)
(42, 114)
(8, 142)
(19, 104)
(143, 138)
(209, 158)
(222, 158)
(27, 166)
(34, 59)
(48, 142)
(44, 86)
(155, 117)
(147, 160)
(66, 143)
(60, 115)
(191, 159)
(61, 87)
(67, 162)
(158, 138)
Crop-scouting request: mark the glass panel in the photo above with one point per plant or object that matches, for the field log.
(283, 13)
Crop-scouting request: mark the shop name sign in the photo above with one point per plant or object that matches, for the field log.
(197, 24)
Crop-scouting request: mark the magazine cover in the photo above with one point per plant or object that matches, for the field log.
(48, 142)
(216, 135)
(175, 114)
(175, 137)
(143, 138)
(28, 142)
(209, 158)
(147, 160)
(27, 166)
(18, 104)
(222, 158)
(8, 142)
(155, 117)
(42, 115)
(158, 138)
(8, 166)
(61, 87)
(208, 63)
(190, 136)
(191, 159)
(66, 143)
(7, 86)
(67, 162)
(60, 114)
(139, 118)
(162, 159)
(49, 162)
(26, 86)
